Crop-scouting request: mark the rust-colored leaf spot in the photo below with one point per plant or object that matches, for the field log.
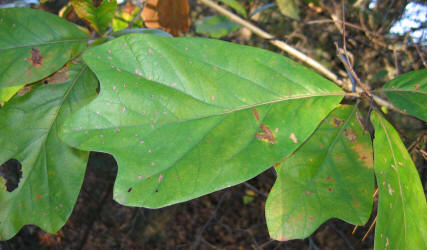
(276, 165)
(169, 15)
(59, 77)
(350, 135)
(328, 179)
(365, 155)
(38, 197)
(310, 218)
(256, 114)
(36, 59)
(417, 86)
(267, 135)
(160, 178)
(308, 193)
(337, 122)
(293, 138)
(330, 189)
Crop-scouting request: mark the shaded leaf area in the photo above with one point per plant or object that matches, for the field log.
(172, 16)
(288, 8)
(98, 14)
(331, 175)
(402, 209)
(186, 123)
(409, 92)
(35, 44)
(236, 6)
(216, 26)
(52, 172)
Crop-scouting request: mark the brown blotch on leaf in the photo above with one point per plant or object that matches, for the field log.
(256, 114)
(293, 138)
(337, 122)
(59, 77)
(417, 86)
(365, 154)
(38, 197)
(36, 59)
(350, 135)
(267, 135)
(97, 3)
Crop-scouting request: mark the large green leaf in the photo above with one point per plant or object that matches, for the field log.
(52, 172)
(402, 209)
(35, 44)
(183, 121)
(409, 92)
(216, 26)
(97, 16)
(331, 175)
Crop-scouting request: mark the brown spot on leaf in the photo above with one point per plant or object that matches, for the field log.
(293, 138)
(310, 218)
(38, 197)
(337, 122)
(417, 86)
(365, 154)
(328, 179)
(36, 59)
(59, 77)
(350, 135)
(256, 114)
(267, 135)
(308, 193)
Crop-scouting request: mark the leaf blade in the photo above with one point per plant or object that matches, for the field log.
(49, 185)
(312, 185)
(35, 44)
(98, 17)
(402, 208)
(409, 92)
(155, 104)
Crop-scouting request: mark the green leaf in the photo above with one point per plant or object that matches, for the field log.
(288, 8)
(216, 26)
(52, 172)
(236, 6)
(409, 92)
(98, 17)
(7, 93)
(331, 175)
(35, 44)
(141, 31)
(402, 210)
(180, 119)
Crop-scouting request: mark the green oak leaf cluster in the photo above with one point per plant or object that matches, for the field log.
(182, 121)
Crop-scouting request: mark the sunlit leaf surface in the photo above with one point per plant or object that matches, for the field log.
(183, 121)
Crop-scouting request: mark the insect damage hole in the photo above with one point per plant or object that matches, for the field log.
(11, 171)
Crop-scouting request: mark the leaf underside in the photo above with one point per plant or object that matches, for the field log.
(330, 175)
(35, 44)
(409, 93)
(182, 121)
(402, 209)
(52, 172)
